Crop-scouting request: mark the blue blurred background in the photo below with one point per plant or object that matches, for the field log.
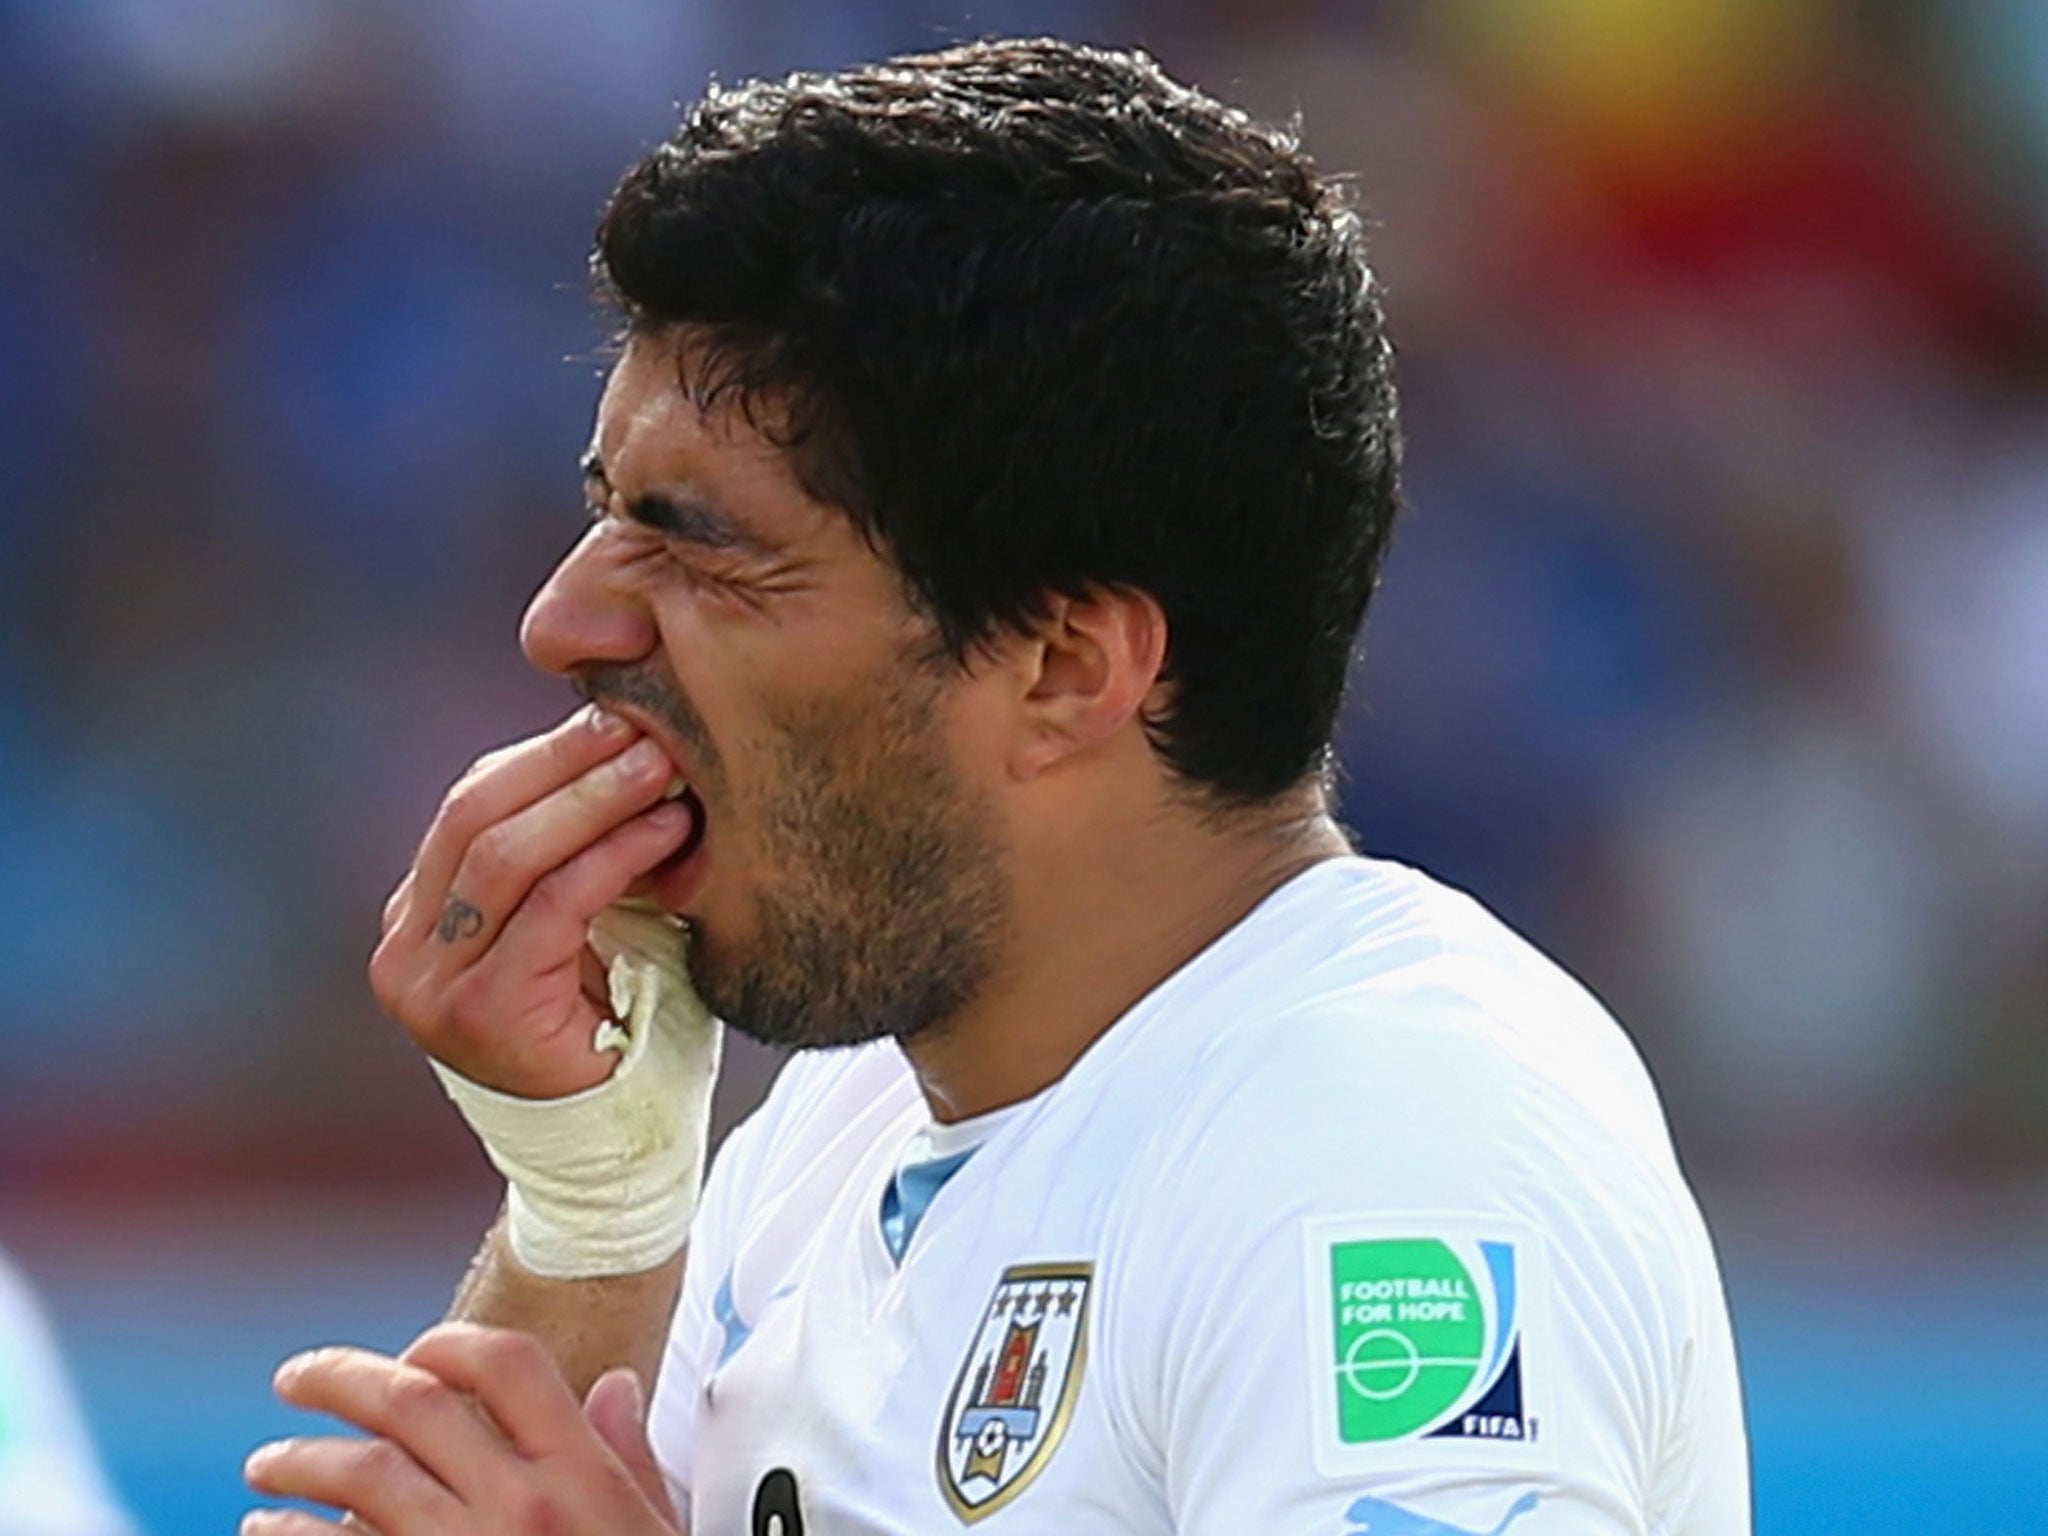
(1715, 652)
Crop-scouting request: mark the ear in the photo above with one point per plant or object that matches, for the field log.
(1089, 668)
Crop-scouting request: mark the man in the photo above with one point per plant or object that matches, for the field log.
(985, 503)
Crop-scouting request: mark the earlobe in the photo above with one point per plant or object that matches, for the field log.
(1090, 667)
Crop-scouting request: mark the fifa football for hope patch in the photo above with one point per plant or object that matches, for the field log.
(1427, 1342)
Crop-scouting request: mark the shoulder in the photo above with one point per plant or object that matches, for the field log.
(1409, 1041)
(1406, 1056)
(1409, 1123)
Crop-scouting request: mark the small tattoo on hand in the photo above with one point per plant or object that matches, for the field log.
(459, 920)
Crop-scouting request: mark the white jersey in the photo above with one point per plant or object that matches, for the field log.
(1364, 1223)
(50, 1481)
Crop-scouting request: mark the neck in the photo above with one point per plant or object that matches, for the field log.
(1099, 922)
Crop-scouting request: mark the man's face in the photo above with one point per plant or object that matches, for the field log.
(849, 882)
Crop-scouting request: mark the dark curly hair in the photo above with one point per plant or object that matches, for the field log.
(1039, 319)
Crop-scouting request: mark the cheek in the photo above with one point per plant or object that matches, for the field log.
(710, 689)
(979, 737)
(813, 772)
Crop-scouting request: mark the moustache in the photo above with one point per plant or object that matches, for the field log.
(646, 689)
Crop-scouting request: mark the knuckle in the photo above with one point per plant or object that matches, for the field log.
(537, 1511)
(491, 858)
(569, 745)
(461, 807)
(484, 765)
(430, 1338)
(612, 1486)
(387, 980)
(378, 971)
(467, 1007)
(400, 992)
(413, 1397)
(551, 897)
(382, 1463)
(506, 1352)
(589, 790)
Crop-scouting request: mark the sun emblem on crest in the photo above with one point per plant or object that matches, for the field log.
(1016, 1387)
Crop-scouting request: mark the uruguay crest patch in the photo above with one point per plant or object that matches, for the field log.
(1016, 1387)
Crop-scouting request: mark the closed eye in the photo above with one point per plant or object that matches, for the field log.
(712, 549)
(686, 520)
(675, 515)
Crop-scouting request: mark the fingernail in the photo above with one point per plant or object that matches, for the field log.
(287, 1370)
(642, 757)
(605, 724)
(669, 816)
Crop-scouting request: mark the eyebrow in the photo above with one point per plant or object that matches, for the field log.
(687, 519)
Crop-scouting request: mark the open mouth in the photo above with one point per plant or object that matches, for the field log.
(676, 878)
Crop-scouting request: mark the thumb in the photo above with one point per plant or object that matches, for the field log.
(617, 1410)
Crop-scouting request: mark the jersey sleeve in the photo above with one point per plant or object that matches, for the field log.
(1415, 1292)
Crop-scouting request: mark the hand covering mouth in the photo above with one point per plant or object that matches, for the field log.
(679, 789)
(670, 881)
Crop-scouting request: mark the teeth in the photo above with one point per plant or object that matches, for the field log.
(675, 789)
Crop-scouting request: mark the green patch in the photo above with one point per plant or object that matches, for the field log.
(1410, 1335)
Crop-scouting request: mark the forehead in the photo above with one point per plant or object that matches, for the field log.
(657, 446)
(651, 424)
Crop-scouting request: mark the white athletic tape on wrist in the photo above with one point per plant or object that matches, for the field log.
(604, 1182)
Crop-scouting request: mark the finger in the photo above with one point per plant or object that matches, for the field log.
(555, 918)
(374, 1478)
(543, 973)
(412, 1408)
(512, 1377)
(294, 1522)
(505, 782)
(395, 904)
(595, 978)
(503, 862)
(617, 1410)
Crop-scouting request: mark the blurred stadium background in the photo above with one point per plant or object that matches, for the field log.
(1715, 653)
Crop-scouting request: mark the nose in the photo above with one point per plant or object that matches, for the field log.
(583, 614)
